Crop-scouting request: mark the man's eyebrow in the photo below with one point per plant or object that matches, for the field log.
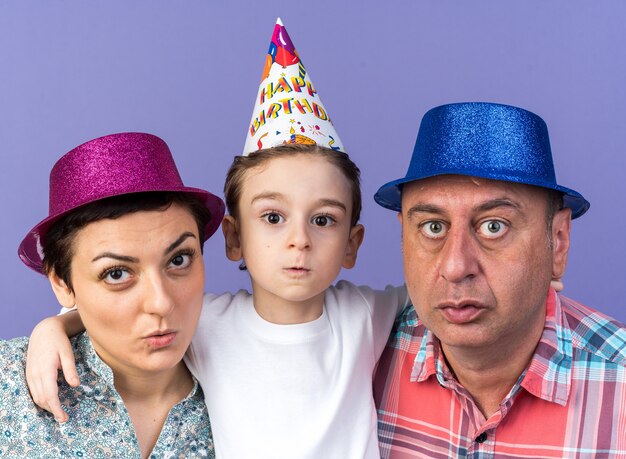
(485, 206)
(424, 208)
(127, 259)
(179, 241)
(500, 202)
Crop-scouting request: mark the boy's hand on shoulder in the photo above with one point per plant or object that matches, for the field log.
(50, 350)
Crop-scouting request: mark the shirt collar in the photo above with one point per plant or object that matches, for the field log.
(548, 375)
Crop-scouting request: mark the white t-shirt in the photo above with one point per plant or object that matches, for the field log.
(293, 391)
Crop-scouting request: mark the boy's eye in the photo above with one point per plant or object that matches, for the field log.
(434, 229)
(273, 218)
(323, 220)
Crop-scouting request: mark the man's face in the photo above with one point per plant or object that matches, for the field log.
(479, 257)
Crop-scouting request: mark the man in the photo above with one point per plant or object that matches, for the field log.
(490, 361)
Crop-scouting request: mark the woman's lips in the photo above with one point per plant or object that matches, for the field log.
(161, 339)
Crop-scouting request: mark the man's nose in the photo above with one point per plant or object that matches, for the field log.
(459, 256)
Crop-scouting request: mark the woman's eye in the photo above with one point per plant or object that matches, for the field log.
(182, 260)
(273, 218)
(492, 228)
(323, 220)
(116, 276)
(434, 229)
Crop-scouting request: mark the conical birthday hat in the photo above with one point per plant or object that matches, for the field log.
(288, 108)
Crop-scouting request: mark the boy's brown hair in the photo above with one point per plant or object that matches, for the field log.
(241, 164)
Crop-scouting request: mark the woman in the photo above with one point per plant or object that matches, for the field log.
(122, 244)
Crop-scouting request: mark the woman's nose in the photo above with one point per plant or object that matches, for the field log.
(158, 299)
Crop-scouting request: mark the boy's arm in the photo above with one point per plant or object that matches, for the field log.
(49, 350)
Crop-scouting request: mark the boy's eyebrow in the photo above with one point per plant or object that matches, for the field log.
(279, 196)
(267, 195)
(333, 203)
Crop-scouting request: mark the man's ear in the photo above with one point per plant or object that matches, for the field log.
(561, 223)
(64, 294)
(357, 232)
(232, 240)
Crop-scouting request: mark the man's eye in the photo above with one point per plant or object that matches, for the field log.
(434, 229)
(323, 220)
(492, 228)
(273, 218)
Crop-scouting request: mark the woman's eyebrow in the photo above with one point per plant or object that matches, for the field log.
(179, 241)
(116, 257)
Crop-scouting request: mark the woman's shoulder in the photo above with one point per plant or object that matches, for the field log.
(13, 362)
(13, 350)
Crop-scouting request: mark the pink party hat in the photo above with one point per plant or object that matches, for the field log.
(288, 108)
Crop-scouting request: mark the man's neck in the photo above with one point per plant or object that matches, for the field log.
(489, 374)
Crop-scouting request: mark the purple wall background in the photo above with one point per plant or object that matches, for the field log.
(188, 71)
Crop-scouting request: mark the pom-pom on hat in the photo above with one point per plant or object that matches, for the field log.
(288, 109)
(487, 140)
(109, 166)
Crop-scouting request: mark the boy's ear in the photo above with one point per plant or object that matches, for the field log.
(231, 238)
(64, 294)
(354, 242)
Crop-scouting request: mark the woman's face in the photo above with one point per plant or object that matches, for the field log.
(138, 283)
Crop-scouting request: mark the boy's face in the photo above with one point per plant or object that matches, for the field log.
(294, 234)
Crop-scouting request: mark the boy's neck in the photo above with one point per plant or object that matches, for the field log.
(287, 312)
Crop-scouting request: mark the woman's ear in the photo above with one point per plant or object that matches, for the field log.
(357, 232)
(65, 295)
(231, 238)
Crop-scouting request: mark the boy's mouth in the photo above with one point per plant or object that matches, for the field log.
(297, 270)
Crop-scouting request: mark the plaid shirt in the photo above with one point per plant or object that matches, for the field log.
(569, 403)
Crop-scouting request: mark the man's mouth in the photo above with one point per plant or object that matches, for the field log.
(461, 313)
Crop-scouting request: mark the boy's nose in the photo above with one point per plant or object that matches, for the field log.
(299, 237)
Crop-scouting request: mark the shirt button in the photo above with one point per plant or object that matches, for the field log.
(481, 438)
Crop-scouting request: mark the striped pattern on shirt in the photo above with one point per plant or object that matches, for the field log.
(569, 403)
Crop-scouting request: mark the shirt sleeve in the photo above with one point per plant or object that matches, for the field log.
(387, 305)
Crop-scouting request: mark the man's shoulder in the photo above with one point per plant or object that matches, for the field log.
(407, 328)
(594, 333)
